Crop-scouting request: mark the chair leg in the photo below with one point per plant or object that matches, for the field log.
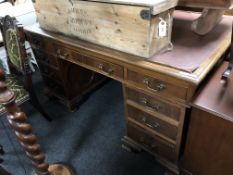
(35, 102)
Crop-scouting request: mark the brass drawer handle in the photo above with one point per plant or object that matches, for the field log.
(105, 68)
(142, 140)
(146, 103)
(64, 56)
(159, 87)
(58, 51)
(154, 146)
(154, 125)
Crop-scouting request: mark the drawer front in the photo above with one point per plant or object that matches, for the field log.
(36, 41)
(153, 143)
(152, 122)
(106, 68)
(67, 54)
(157, 86)
(46, 59)
(154, 104)
(41, 43)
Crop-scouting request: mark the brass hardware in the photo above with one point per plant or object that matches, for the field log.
(156, 107)
(142, 139)
(146, 102)
(58, 51)
(154, 125)
(105, 69)
(159, 87)
(64, 56)
(146, 81)
(144, 119)
(153, 146)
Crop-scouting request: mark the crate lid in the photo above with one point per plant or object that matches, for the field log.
(157, 6)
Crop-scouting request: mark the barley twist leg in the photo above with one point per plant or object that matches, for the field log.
(23, 131)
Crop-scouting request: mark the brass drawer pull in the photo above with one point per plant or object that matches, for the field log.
(145, 102)
(159, 87)
(64, 56)
(154, 146)
(105, 69)
(150, 125)
(58, 51)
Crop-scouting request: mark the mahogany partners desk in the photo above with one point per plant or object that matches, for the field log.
(157, 91)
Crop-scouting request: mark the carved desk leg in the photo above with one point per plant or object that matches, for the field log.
(23, 132)
(207, 21)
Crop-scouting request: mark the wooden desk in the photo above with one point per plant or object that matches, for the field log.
(210, 137)
(157, 91)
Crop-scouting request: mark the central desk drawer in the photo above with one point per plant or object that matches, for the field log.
(106, 68)
(154, 85)
(152, 122)
(154, 104)
(152, 143)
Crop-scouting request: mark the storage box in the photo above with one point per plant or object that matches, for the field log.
(138, 27)
(219, 4)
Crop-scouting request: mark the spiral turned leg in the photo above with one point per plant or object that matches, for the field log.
(23, 132)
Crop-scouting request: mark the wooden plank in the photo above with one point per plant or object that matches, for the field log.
(216, 4)
(157, 6)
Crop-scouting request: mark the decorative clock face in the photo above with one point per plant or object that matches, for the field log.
(13, 48)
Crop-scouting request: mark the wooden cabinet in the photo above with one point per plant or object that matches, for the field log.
(208, 150)
(66, 81)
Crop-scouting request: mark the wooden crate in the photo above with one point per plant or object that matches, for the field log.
(218, 4)
(141, 28)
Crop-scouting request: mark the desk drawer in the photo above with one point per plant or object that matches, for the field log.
(106, 68)
(157, 86)
(46, 59)
(40, 43)
(36, 41)
(154, 104)
(151, 142)
(152, 122)
(67, 54)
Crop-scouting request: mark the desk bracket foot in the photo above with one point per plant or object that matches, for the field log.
(129, 145)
